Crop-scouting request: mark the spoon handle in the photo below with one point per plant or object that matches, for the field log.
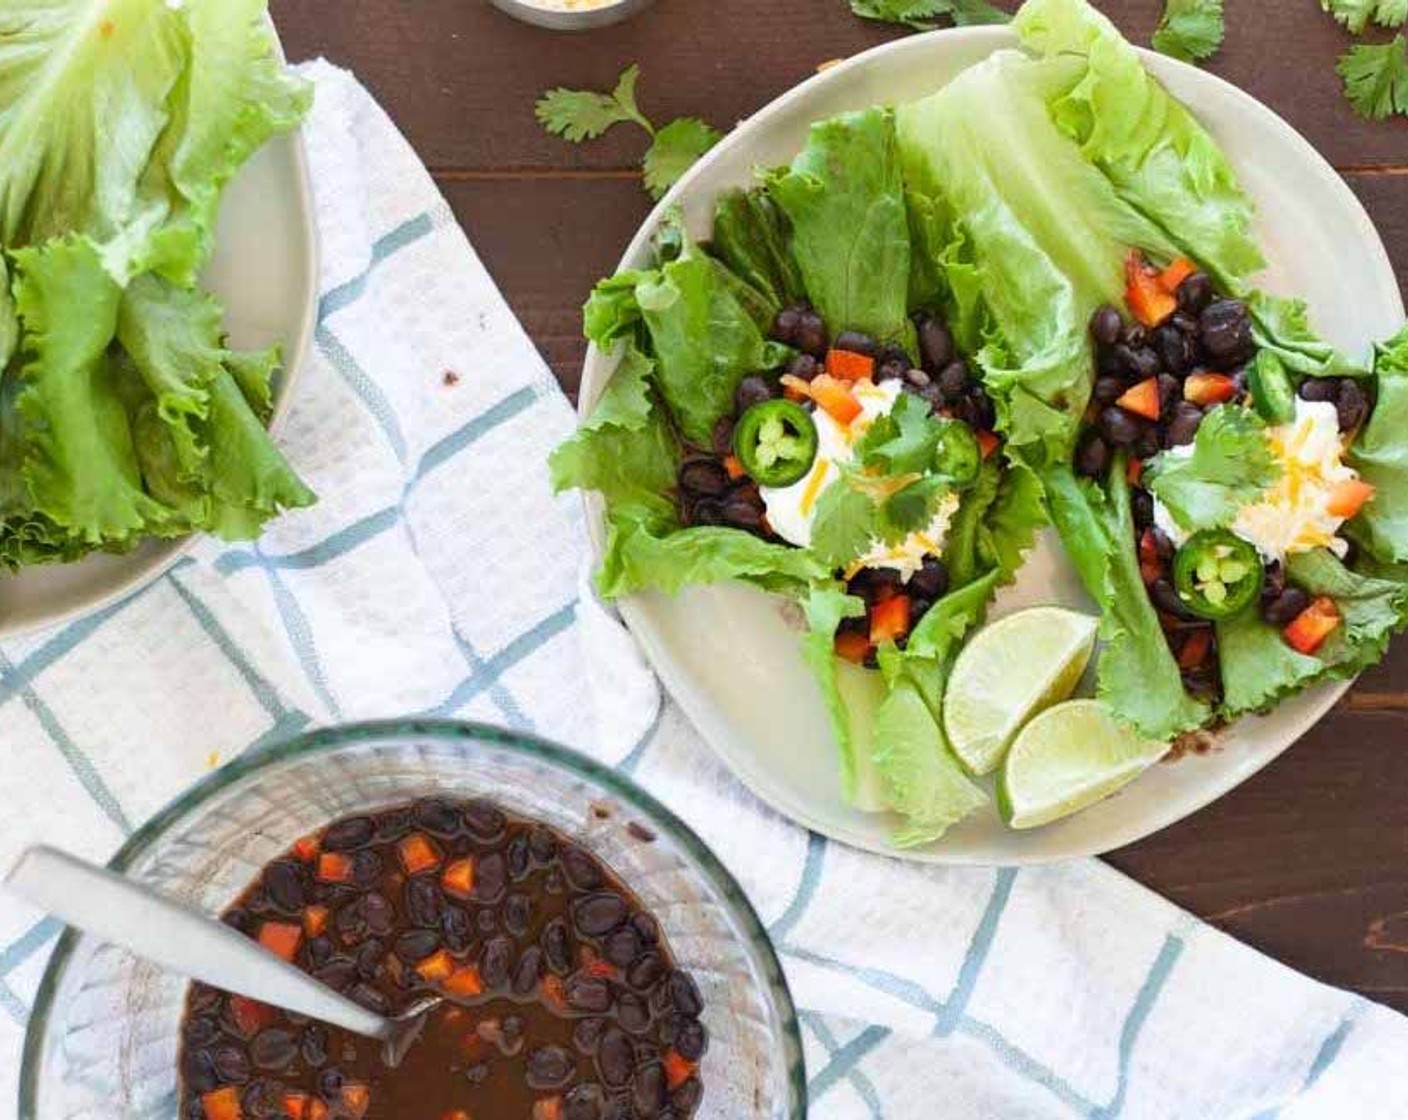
(178, 939)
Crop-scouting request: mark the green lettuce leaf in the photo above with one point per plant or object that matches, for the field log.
(1373, 610)
(1137, 674)
(825, 606)
(751, 237)
(1258, 668)
(850, 234)
(1230, 466)
(253, 371)
(1380, 455)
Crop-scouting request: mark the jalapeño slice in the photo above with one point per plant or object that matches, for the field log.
(957, 454)
(1217, 574)
(1273, 393)
(776, 442)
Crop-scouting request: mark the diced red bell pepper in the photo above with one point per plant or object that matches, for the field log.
(988, 442)
(853, 646)
(1309, 629)
(315, 920)
(1134, 471)
(418, 853)
(249, 1015)
(1348, 497)
(458, 878)
(889, 621)
(547, 1108)
(850, 366)
(735, 468)
(601, 969)
(456, 1114)
(301, 1106)
(437, 967)
(678, 1069)
(356, 1099)
(1205, 389)
(1148, 300)
(554, 994)
(306, 848)
(281, 938)
(1196, 648)
(1175, 274)
(1142, 399)
(834, 397)
(221, 1104)
(334, 867)
(1151, 565)
(464, 981)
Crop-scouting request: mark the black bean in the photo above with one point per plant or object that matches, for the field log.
(581, 869)
(1173, 348)
(811, 337)
(1134, 335)
(231, 1064)
(692, 1041)
(1170, 390)
(1122, 362)
(201, 1030)
(1352, 405)
(484, 820)
(1187, 324)
(891, 369)
(438, 817)
(314, 1046)
(490, 878)
(646, 926)
(351, 926)
(954, 380)
(586, 1035)
(284, 884)
(985, 412)
(685, 1099)
(645, 972)
(931, 581)
(1144, 364)
(198, 1070)
(743, 514)
(518, 912)
(587, 993)
(528, 971)
(1164, 596)
(703, 477)
(917, 379)
(804, 366)
(1118, 426)
(542, 844)
(857, 342)
(721, 439)
(1141, 507)
(1225, 330)
(417, 944)
(785, 324)
(477, 1073)
(273, 1049)
(582, 1102)
(557, 947)
(1093, 457)
(1194, 293)
(752, 390)
(1183, 424)
(1320, 389)
(366, 868)
(1105, 325)
(260, 1102)
(1163, 546)
(1108, 390)
(1110, 364)
(320, 951)
(1146, 445)
(369, 959)
(648, 1091)
(621, 947)
(1284, 610)
(685, 993)
(1351, 554)
(935, 343)
(378, 913)
(370, 997)
(615, 1057)
(392, 824)
(348, 833)
(495, 960)
(1275, 582)
(633, 1013)
(549, 1067)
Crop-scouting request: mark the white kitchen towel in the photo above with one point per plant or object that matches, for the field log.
(438, 575)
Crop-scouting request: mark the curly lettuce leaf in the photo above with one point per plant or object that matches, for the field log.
(751, 237)
(1258, 668)
(1230, 466)
(825, 606)
(1380, 455)
(1372, 609)
(844, 198)
(1137, 674)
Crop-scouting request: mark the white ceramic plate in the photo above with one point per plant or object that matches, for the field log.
(264, 271)
(729, 655)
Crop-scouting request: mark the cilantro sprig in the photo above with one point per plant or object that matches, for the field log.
(580, 114)
(1191, 30)
(1356, 14)
(920, 14)
(1376, 78)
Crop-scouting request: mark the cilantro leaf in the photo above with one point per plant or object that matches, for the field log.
(581, 114)
(845, 524)
(911, 509)
(1190, 29)
(1376, 78)
(674, 151)
(903, 440)
(1230, 466)
(918, 14)
(1356, 14)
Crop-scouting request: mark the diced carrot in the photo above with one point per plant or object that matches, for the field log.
(678, 1069)
(306, 848)
(1151, 567)
(988, 442)
(735, 468)
(356, 1099)
(835, 397)
(464, 981)
(547, 1108)
(1175, 274)
(456, 1114)
(436, 967)
(281, 938)
(315, 920)
(297, 1106)
(1196, 648)
(418, 853)
(795, 389)
(458, 878)
(889, 621)
(1309, 629)
(601, 970)
(1348, 497)
(554, 995)
(249, 1015)
(853, 646)
(222, 1104)
(1147, 299)
(1142, 399)
(850, 366)
(1205, 389)
(1134, 471)
(334, 867)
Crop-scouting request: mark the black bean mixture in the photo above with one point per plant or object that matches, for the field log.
(1153, 387)
(714, 490)
(567, 1004)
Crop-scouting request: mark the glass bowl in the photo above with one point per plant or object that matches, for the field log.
(103, 1038)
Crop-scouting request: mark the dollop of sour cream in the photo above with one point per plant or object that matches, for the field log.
(1292, 515)
(791, 509)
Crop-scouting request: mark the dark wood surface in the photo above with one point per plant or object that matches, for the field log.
(1308, 860)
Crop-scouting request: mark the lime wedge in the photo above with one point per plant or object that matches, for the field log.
(1068, 758)
(1007, 673)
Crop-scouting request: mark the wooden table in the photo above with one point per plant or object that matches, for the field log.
(1308, 860)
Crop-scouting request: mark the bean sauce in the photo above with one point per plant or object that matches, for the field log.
(564, 1002)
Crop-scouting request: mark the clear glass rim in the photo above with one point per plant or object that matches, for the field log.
(328, 739)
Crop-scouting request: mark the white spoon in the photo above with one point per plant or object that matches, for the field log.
(192, 944)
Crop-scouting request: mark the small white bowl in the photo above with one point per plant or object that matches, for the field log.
(586, 15)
